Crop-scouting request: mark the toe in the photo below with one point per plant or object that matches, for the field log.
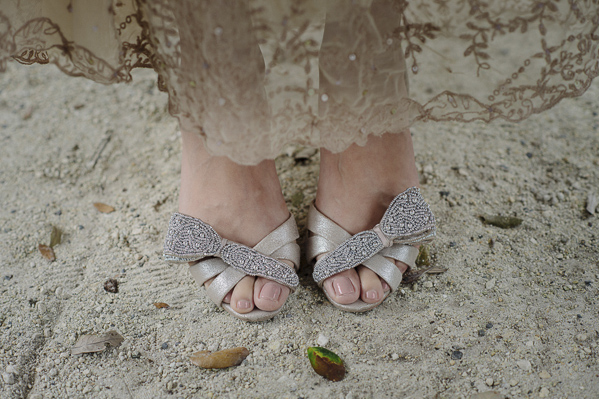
(268, 295)
(371, 287)
(344, 287)
(242, 300)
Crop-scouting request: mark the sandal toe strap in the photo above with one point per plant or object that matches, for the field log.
(408, 220)
(223, 284)
(190, 239)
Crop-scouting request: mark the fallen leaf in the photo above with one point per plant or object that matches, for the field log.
(592, 202)
(161, 305)
(103, 207)
(488, 395)
(504, 222)
(96, 343)
(47, 252)
(220, 359)
(55, 237)
(412, 276)
(326, 363)
(111, 285)
(436, 270)
(424, 257)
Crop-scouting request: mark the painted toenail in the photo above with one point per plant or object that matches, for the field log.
(343, 286)
(372, 294)
(270, 291)
(243, 304)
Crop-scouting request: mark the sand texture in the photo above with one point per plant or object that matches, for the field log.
(516, 312)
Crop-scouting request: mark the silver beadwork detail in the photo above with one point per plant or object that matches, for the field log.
(348, 255)
(190, 239)
(408, 217)
(408, 220)
(253, 263)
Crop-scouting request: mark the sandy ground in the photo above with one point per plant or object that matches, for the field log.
(515, 313)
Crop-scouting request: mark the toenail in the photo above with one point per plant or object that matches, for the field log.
(243, 304)
(343, 286)
(372, 294)
(271, 292)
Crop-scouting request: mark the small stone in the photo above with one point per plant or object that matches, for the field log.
(164, 346)
(581, 337)
(513, 383)
(524, 365)
(544, 392)
(53, 373)
(394, 356)
(8, 378)
(544, 375)
(489, 326)
(428, 284)
(456, 355)
(322, 340)
(489, 381)
(169, 386)
(481, 333)
(490, 284)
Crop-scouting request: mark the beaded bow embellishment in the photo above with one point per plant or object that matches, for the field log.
(190, 239)
(408, 220)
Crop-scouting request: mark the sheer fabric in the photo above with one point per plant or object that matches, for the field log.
(251, 76)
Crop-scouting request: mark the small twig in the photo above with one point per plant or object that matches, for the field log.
(101, 146)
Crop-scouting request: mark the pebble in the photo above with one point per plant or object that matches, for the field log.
(428, 284)
(544, 392)
(322, 340)
(544, 375)
(164, 346)
(53, 373)
(581, 337)
(394, 356)
(456, 355)
(489, 326)
(513, 383)
(8, 378)
(524, 365)
(489, 381)
(481, 333)
(490, 284)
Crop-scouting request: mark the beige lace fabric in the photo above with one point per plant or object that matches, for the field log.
(252, 76)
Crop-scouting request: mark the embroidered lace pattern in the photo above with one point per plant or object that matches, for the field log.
(252, 76)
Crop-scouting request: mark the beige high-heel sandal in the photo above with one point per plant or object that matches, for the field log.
(189, 240)
(407, 221)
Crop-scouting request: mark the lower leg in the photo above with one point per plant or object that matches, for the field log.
(355, 188)
(242, 203)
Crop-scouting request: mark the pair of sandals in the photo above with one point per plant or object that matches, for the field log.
(407, 222)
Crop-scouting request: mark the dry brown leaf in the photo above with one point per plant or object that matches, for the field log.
(103, 207)
(55, 237)
(47, 252)
(221, 359)
(161, 305)
(96, 343)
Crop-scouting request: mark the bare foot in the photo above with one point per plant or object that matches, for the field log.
(355, 188)
(243, 204)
